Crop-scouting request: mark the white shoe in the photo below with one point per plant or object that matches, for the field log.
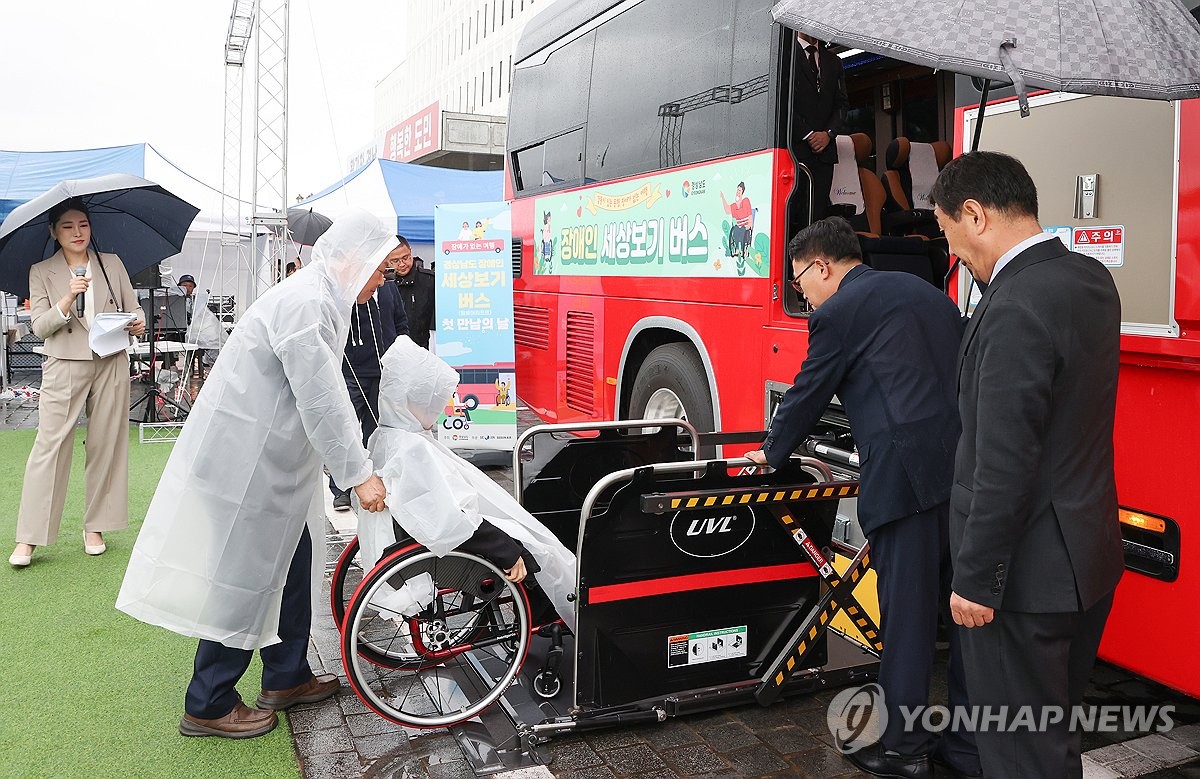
(20, 560)
(95, 550)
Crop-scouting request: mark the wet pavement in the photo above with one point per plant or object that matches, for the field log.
(342, 738)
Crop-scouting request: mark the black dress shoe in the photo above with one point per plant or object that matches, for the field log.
(342, 502)
(874, 760)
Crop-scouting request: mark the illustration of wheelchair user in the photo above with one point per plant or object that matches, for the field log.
(504, 395)
(547, 245)
(741, 232)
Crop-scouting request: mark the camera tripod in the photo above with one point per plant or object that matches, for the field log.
(154, 397)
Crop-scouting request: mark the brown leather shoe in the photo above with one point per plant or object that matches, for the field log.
(241, 722)
(318, 688)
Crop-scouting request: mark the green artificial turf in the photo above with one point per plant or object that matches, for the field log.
(87, 691)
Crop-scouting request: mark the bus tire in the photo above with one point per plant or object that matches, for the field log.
(673, 376)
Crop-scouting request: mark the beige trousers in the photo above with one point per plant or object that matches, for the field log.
(101, 386)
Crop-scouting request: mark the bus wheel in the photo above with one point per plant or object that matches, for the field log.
(672, 383)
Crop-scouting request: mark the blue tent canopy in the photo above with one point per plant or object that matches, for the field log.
(26, 174)
(413, 190)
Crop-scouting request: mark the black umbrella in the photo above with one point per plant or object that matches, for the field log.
(306, 225)
(130, 217)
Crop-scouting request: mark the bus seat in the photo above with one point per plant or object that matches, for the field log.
(911, 170)
(864, 210)
(899, 253)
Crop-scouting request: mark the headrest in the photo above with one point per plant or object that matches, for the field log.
(862, 146)
(942, 152)
(896, 156)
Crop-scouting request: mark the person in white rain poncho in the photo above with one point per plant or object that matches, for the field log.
(441, 500)
(224, 553)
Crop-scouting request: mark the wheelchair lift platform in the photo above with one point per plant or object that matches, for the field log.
(702, 585)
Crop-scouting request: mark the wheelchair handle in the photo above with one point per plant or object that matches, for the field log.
(574, 427)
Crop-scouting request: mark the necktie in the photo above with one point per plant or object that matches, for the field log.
(812, 61)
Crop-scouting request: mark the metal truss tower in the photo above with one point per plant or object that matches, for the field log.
(266, 22)
(269, 202)
(235, 249)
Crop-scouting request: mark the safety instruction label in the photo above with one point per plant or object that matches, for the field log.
(1106, 244)
(707, 646)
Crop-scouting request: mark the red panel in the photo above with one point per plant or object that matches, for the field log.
(700, 581)
(1152, 629)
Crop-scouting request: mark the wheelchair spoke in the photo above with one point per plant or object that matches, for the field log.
(433, 641)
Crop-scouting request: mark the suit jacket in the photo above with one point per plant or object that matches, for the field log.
(819, 110)
(885, 343)
(1033, 514)
(50, 280)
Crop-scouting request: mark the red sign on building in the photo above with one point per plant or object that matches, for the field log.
(415, 137)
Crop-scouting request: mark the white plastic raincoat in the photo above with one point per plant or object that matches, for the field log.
(436, 496)
(212, 557)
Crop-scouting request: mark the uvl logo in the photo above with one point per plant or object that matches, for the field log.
(712, 533)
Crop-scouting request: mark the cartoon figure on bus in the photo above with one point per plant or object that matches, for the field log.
(465, 233)
(502, 392)
(480, 228)
(547, 245)
(742, 230)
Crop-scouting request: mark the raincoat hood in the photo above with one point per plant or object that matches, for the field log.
(414, 388)
(349, 252)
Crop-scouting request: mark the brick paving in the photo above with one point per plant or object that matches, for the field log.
(341, 738)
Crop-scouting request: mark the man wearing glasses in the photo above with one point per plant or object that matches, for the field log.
(886, 343)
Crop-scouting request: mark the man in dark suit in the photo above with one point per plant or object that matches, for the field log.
(885, 343)
(1033, 511)
(818, 113)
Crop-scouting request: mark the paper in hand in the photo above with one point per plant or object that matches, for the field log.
(108, 334)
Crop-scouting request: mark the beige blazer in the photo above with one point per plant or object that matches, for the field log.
(50, 280)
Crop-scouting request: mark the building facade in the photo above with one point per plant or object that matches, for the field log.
(445, 104)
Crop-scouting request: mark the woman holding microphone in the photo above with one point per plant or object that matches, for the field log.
(66, 292)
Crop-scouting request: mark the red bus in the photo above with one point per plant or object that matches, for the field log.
(635, 123)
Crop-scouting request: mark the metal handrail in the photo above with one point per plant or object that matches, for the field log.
(570, 427)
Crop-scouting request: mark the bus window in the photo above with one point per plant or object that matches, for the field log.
(547, 110)
(660, 83)
(564, 159)
(749, 120)
(922, 114)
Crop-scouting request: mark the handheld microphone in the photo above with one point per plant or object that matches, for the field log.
(79, 298)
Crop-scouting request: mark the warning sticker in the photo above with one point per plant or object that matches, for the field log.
(1106, 244)
(707, 646)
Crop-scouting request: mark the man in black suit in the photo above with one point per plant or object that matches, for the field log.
(1033, 511)
(885, 343)
(818, 113)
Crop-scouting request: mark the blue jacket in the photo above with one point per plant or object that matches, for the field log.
(374, 326)
(886, 343)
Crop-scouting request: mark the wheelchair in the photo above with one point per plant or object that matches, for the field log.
(700, 584)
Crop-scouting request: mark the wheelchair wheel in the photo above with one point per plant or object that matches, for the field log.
(431, 641)
(347, 575)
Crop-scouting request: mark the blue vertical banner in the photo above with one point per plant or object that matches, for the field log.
(473, 271)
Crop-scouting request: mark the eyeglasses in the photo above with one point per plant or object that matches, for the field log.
(796, 281)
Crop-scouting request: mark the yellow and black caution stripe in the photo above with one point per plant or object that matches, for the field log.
(838, 597)
(658, 502)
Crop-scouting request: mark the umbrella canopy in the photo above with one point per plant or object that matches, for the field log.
(130, 216)
(306, 225)
(1126, 48)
